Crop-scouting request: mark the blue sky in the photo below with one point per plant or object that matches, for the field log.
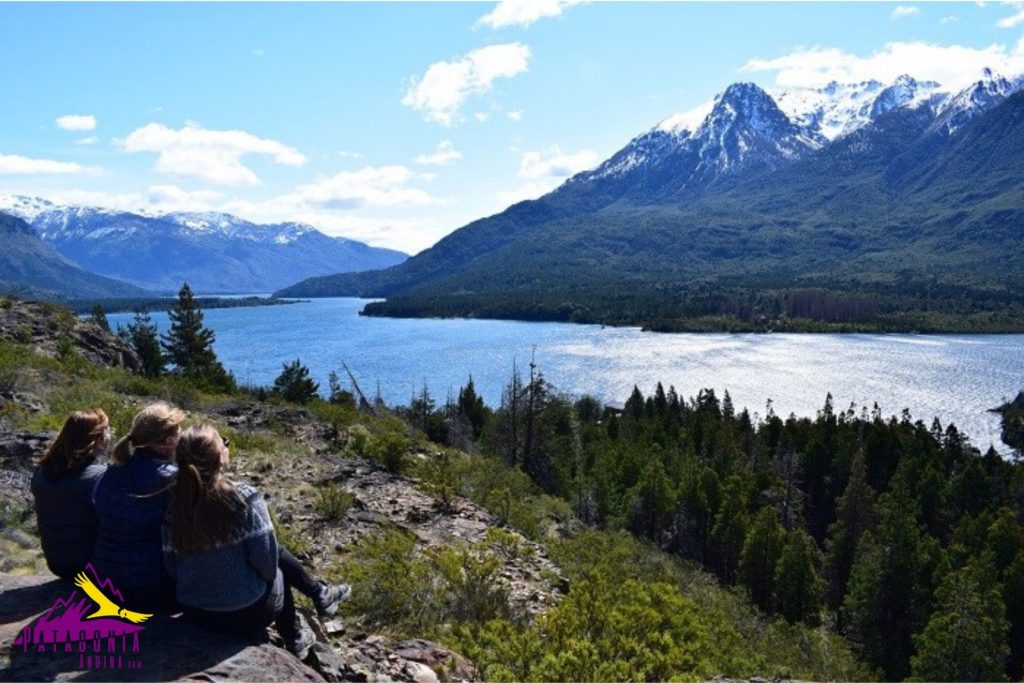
(396, 123)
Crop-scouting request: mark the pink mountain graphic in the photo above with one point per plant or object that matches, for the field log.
(66, 620)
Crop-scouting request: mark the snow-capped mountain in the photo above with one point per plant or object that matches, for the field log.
(746, 128)
(213, 252)
(953, 112)
(743, 129)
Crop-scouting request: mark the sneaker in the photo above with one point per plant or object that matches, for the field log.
(303, 641)
(330, 595)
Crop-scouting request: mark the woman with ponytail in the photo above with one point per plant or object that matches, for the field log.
(219, 545)
(130, 501)
(62, 486)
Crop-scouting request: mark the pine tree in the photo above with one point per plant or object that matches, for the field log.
(888, 589)
(99, 316)
(966, 637)
(294, 383)
(854, 516)
(729, 530)
(797, 585)
(761, 551)
(189, 344)
(653, 501)
(471, 406)
(142, 335)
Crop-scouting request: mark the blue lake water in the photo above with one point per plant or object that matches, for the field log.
(954, 377)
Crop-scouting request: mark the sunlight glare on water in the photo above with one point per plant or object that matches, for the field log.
(955, 377)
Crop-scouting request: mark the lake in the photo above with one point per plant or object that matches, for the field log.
(954, 377)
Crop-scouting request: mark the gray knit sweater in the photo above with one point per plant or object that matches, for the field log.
(231, 575)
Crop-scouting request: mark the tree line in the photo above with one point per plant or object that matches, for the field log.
(901, 536)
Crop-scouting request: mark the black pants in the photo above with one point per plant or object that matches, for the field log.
(257, 616)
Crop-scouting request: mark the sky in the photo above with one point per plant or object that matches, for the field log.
(396, 123)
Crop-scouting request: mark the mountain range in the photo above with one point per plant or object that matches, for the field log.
(877, 198)
(213, 252)
(31, 268)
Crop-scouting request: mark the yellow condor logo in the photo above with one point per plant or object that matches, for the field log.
(107, 608)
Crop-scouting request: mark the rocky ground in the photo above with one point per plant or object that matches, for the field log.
(289, 481)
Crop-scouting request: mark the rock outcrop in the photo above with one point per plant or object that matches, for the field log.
(46, 329)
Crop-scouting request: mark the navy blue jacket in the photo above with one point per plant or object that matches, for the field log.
(128, 546)
(66, 518)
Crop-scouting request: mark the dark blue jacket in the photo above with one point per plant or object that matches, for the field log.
(66, 518)
(128, 547)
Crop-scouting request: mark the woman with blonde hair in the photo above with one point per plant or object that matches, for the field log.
(220, 546)
(130, 501)
(62, 486)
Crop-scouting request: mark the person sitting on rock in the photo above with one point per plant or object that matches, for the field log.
(219, 544)
(62, 486)
(131, 498)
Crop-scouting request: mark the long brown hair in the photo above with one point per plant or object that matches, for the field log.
(80, 439)
(152, 425)
(205, 508)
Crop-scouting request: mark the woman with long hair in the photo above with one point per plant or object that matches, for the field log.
(220, 546)
(62, 486)
(130, 501)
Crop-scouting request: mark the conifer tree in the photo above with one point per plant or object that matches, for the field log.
(761, 551)
(729, 530)
(887, 593)
(142, 335)
(854, 516)
(189, 344)
(653, 500)
(294, 383)
(797, 585)
(471, 406)
(965, 639)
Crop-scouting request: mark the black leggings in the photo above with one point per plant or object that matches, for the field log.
(257, 616)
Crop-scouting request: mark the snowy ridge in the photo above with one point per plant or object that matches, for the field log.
(745, 124)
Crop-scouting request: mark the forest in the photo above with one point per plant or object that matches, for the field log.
(897, 534)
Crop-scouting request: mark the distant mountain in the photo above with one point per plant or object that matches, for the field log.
(32, 268)
(890, 195)
(213, 252)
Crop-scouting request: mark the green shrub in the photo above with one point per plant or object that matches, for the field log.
(390, 450)
(441, 475)
(418, 594)
(333, 502)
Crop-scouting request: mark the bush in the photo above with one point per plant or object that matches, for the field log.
(333, 502)
(416, 594)
(390, 450)
(442, 477)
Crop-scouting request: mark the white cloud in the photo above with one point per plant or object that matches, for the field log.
(444, 154)
(951, 65)
(76, 122)
(903, 11)
(515, 115)
(1012, 20)
(523, 12)
(173, 198)
(213, 155)
(545, 170)
(14, 164)
(349, 154)
(949, 20)
(91, 140)
(481, 116)
(554, 163)
(445, 86)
